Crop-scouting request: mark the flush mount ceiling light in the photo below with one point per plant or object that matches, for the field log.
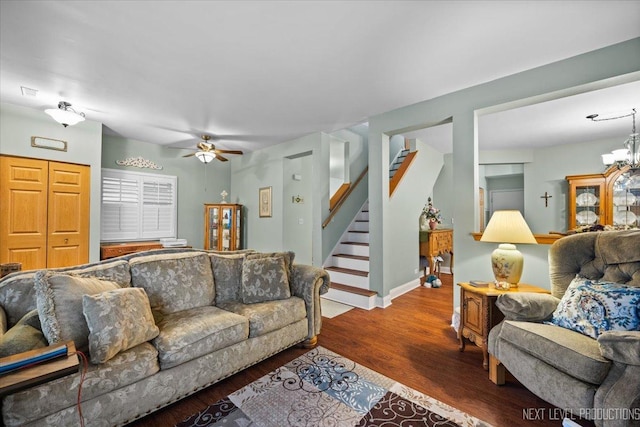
(630, 154)
(65, 115)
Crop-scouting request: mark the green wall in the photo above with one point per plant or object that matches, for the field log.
(612, 65)
(266, 168)
(19, 124)
(198, 183)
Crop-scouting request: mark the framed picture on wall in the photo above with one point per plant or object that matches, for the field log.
(264, 200)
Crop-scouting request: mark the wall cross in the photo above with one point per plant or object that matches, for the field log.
(546, 198)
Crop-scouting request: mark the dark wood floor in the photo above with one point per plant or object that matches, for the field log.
(412, 342)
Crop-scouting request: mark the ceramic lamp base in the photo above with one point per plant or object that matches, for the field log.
(507, 263)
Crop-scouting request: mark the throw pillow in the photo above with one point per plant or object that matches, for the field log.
(23, 336)
(287, 256)
(264, 279)
(527, 306)
(59, 301)
(118, 320)
(592, 307)
(227, 277)
(174, 281)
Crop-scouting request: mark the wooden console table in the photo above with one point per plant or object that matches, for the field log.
(434, 243)
(112, 250)
(478, 313)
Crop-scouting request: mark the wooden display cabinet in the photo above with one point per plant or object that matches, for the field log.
(601, 199)
(222, 226)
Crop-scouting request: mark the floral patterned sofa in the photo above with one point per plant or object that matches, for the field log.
(578, 348)
(156, 326)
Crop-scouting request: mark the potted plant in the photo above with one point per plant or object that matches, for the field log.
(430, 215)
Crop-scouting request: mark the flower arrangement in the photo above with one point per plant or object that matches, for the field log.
(431, 213)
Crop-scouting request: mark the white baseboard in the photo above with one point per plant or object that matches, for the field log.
(385, 302)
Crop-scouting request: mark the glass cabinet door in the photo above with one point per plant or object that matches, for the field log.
(227, 217)
(237, 227)
(588, 207)
(213, 227)
(626, 200)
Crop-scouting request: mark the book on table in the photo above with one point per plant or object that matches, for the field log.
(37, 366)
(479, 283)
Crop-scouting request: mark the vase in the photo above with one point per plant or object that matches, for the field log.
(433, 225)
(424, 223)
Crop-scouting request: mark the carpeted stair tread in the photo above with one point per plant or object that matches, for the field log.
(352, 289)
(358, 231)
(348, 271)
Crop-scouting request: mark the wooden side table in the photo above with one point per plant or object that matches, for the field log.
(478, 313)
(38, 373)
(432, 244)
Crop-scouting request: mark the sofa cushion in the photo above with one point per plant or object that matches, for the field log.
(174, 281)
(227, 276)
(23, 336)
(188, 334)
(59, 300)
(571, 352)
(592, 307)
(264, 279)
(125, 368)
(118, 320)
(268, 316)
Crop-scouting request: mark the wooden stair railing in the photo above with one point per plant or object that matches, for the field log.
(339, 195)
(404, 166)
(344, 197)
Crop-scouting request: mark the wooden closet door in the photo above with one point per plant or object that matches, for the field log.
(23, 211)
(68, 219)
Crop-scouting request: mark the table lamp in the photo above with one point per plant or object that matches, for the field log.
(507, 227)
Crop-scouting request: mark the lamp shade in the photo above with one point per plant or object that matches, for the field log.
(65, 115)
(205, 156)
(507, 226)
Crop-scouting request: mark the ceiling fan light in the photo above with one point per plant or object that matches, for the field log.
(205, 156)
(65, 115)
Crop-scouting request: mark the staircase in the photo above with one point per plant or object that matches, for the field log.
(395, 165)
(349, 265)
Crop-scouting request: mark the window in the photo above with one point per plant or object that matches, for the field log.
(137, 206)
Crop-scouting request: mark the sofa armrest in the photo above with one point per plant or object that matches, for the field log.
(309, 282)
(527, 306)
(620, 346)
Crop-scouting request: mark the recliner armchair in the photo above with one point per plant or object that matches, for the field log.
(596, 379)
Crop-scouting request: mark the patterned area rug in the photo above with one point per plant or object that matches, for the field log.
(322, 388)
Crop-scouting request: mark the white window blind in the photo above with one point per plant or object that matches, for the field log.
(137, 206)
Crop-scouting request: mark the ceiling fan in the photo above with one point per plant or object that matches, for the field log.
(207, 151)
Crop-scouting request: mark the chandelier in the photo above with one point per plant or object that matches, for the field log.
(630, 154)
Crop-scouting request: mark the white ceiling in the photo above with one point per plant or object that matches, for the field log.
(258, 73)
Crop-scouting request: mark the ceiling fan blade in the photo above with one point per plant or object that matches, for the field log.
(229, 151)
(222, 159)
(189, 155)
